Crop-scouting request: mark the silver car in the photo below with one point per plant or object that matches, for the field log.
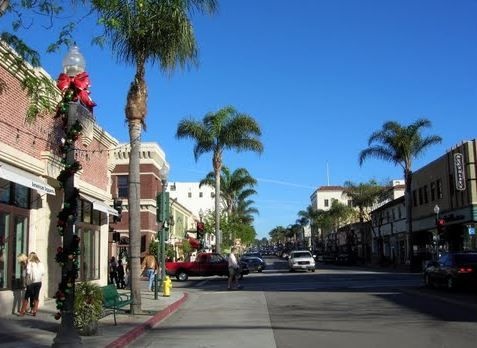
(301, 260)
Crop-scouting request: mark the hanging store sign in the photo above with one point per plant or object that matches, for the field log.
(459, 171)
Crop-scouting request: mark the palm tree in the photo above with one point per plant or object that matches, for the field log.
(363, 196)
(235, 187)
(140, 32)
(278, 234)
(225, 129)
(400, 145)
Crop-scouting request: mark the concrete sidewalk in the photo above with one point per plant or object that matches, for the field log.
(40, 331)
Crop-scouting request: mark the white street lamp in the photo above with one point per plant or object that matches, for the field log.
(74, 62)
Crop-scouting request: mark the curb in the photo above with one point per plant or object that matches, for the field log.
(140, 329)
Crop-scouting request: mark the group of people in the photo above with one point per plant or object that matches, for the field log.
(117, 273)
(32, 275)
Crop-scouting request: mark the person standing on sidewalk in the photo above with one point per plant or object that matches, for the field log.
(234, 270)
(149, 267)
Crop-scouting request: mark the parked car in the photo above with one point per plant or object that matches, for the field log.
(255, 264)
(451, 270)
(205, 265)
(252, 254)
(301, 260)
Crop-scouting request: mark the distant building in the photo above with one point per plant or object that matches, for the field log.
(199, 200)
(324, 196)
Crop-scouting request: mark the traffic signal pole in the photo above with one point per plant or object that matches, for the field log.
(162, 217)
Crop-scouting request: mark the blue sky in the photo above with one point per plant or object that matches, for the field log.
(318, 75)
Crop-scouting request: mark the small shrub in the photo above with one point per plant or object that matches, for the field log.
(88, 307)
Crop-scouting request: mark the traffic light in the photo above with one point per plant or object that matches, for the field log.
(440, 225)
(162, 210)
(118, 205)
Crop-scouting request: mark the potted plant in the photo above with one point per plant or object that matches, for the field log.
(88, 308)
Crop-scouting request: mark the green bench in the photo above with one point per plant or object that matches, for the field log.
(114, 300)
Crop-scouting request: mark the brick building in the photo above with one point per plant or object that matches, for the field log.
(31, 198)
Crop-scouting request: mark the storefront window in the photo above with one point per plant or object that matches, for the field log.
(14, 194)
(4, 191)
(13, 241)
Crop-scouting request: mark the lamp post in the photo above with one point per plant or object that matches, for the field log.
(163, 219)
(436, 237)
(67, 336)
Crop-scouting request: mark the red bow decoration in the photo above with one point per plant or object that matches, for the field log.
(80, 83)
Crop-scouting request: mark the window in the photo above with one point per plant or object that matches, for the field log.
(433, 191)
(439, 189)
(426, 198)
(212, 195)
(327, 203)
(189, 194)
(201, 194)
(420, 196)
(89, 261)
(123, 183)
(14, 194)
(86, 211)
(143, 244)
(414, 198)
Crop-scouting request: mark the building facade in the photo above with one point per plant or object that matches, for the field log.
(153, 171)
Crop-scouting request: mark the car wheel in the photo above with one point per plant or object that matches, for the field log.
(291, 270)
(182, 276)
(428, 281)
(312, 269)
(259, 270)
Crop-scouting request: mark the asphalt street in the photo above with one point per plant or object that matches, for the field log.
(332, 307)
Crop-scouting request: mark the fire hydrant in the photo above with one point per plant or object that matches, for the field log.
(166, 287)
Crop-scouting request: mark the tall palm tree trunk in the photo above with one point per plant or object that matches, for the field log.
(218, 233)
(217, 165)
(135, 214)
(135, 114)
(408, 202)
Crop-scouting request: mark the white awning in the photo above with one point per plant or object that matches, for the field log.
(98, 205)
(24, 178)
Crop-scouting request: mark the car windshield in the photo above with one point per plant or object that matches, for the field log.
(466, 258)
(302, 254)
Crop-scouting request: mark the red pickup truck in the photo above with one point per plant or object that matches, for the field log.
(205, 265)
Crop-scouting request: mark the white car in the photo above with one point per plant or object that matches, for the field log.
(301, 260)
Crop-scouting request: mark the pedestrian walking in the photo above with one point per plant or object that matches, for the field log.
(23, 261)
(234, 271)
(113, 271)
(120, 271)
(149, 268)
(34, 275)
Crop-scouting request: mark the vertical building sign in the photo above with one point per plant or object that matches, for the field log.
(459, 171)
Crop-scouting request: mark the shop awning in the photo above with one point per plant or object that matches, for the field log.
(100, 206)
(24, 178)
